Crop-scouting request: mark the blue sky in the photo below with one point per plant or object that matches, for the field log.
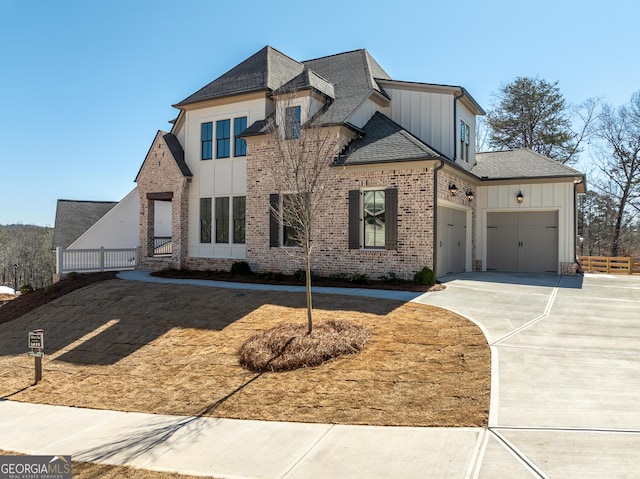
(85, 85)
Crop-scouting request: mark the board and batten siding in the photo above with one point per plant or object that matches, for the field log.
(217, 177)
(558, 197)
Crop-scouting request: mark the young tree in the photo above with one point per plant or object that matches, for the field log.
(532, 113)
(618, 159)
(303, 153)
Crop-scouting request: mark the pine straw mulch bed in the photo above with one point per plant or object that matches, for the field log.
(172, 349)
(90, 470)
(396, 284)
(290, 346)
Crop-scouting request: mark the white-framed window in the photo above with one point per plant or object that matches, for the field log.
(373, 219)
(465, 139)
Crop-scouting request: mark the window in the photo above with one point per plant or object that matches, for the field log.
(464, 141)
(279, 233)
(205, 220)
(373, 219)
(206, 138)
(240, 146)
(292, 122)
(289, 237)
(223, 138)
(239, 208)
(222, 220)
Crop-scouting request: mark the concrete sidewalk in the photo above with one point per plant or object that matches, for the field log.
(565, 390)
(239, 449)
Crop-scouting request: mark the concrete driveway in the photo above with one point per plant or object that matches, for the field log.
(566, 372)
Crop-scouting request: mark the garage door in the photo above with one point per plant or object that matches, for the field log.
(523, 242)
(452, 241)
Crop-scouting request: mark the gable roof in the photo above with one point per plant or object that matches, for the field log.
(176, 150)
(306, 80)
(519, 163)
(74, 217)
(267, 69)
(383, 141)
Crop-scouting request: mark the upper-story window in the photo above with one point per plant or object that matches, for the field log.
(292, 122)
(240, 146)
(206, 139)
(465, 138)
(223, 138)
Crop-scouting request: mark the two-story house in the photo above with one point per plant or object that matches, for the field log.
(409, 189)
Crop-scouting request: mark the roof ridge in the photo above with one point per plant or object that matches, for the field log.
(333, 55)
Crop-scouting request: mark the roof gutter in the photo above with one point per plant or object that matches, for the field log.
(435, 215)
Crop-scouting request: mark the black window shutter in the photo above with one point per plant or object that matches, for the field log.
(354, 219)
(391, 218)
(274, 230)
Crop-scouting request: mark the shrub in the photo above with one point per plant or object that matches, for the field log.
(358, 278)
(390, 278)
(73, 275)
(425, 277)
(26, 288)
(339, 276)
(270, 276)
(301, 274)
(241, 268)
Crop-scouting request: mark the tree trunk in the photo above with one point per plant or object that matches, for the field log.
(308, 287)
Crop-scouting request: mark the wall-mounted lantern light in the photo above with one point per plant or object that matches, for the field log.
(453, 189)
(470, 196)
(519, 197)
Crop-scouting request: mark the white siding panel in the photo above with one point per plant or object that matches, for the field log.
(239, 178)
(222, 179)
(119, 228)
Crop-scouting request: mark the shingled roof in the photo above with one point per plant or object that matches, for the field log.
(384, 140)
(519, 163)
(73, 218)
(267, 69)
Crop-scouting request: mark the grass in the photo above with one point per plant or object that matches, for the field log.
(173, 350)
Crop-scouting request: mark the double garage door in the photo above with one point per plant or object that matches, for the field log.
(522, 242)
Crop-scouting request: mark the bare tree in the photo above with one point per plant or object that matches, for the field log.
(618, 159)
(303, 150)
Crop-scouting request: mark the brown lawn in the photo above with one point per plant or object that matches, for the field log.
(172, 349)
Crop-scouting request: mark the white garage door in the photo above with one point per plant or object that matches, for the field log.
(523, 242)
(452, 241)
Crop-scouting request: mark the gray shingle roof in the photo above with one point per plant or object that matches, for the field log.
(73, 218)
(306, 80)
(178, 153)
(384, 140)
(353, 75)
(521, 163)
(267, 69)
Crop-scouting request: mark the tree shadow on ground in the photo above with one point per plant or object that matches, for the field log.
(109, 321)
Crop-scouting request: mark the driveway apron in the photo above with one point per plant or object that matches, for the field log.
(565, 371)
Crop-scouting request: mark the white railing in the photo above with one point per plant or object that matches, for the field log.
(92, 260)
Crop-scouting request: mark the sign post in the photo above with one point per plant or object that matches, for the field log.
(36, 344)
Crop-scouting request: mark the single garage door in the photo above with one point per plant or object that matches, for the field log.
(523, 242)
(452, 241)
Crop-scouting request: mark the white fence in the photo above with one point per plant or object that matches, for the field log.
(92, 260)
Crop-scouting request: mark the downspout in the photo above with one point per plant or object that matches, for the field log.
(455, 124)
(435, 215)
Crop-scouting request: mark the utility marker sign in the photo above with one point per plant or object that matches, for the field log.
(35, 467)
(36, 339)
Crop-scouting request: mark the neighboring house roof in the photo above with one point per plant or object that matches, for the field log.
(384, 140)
(73, 218)
(267, 69)
(520, 163)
